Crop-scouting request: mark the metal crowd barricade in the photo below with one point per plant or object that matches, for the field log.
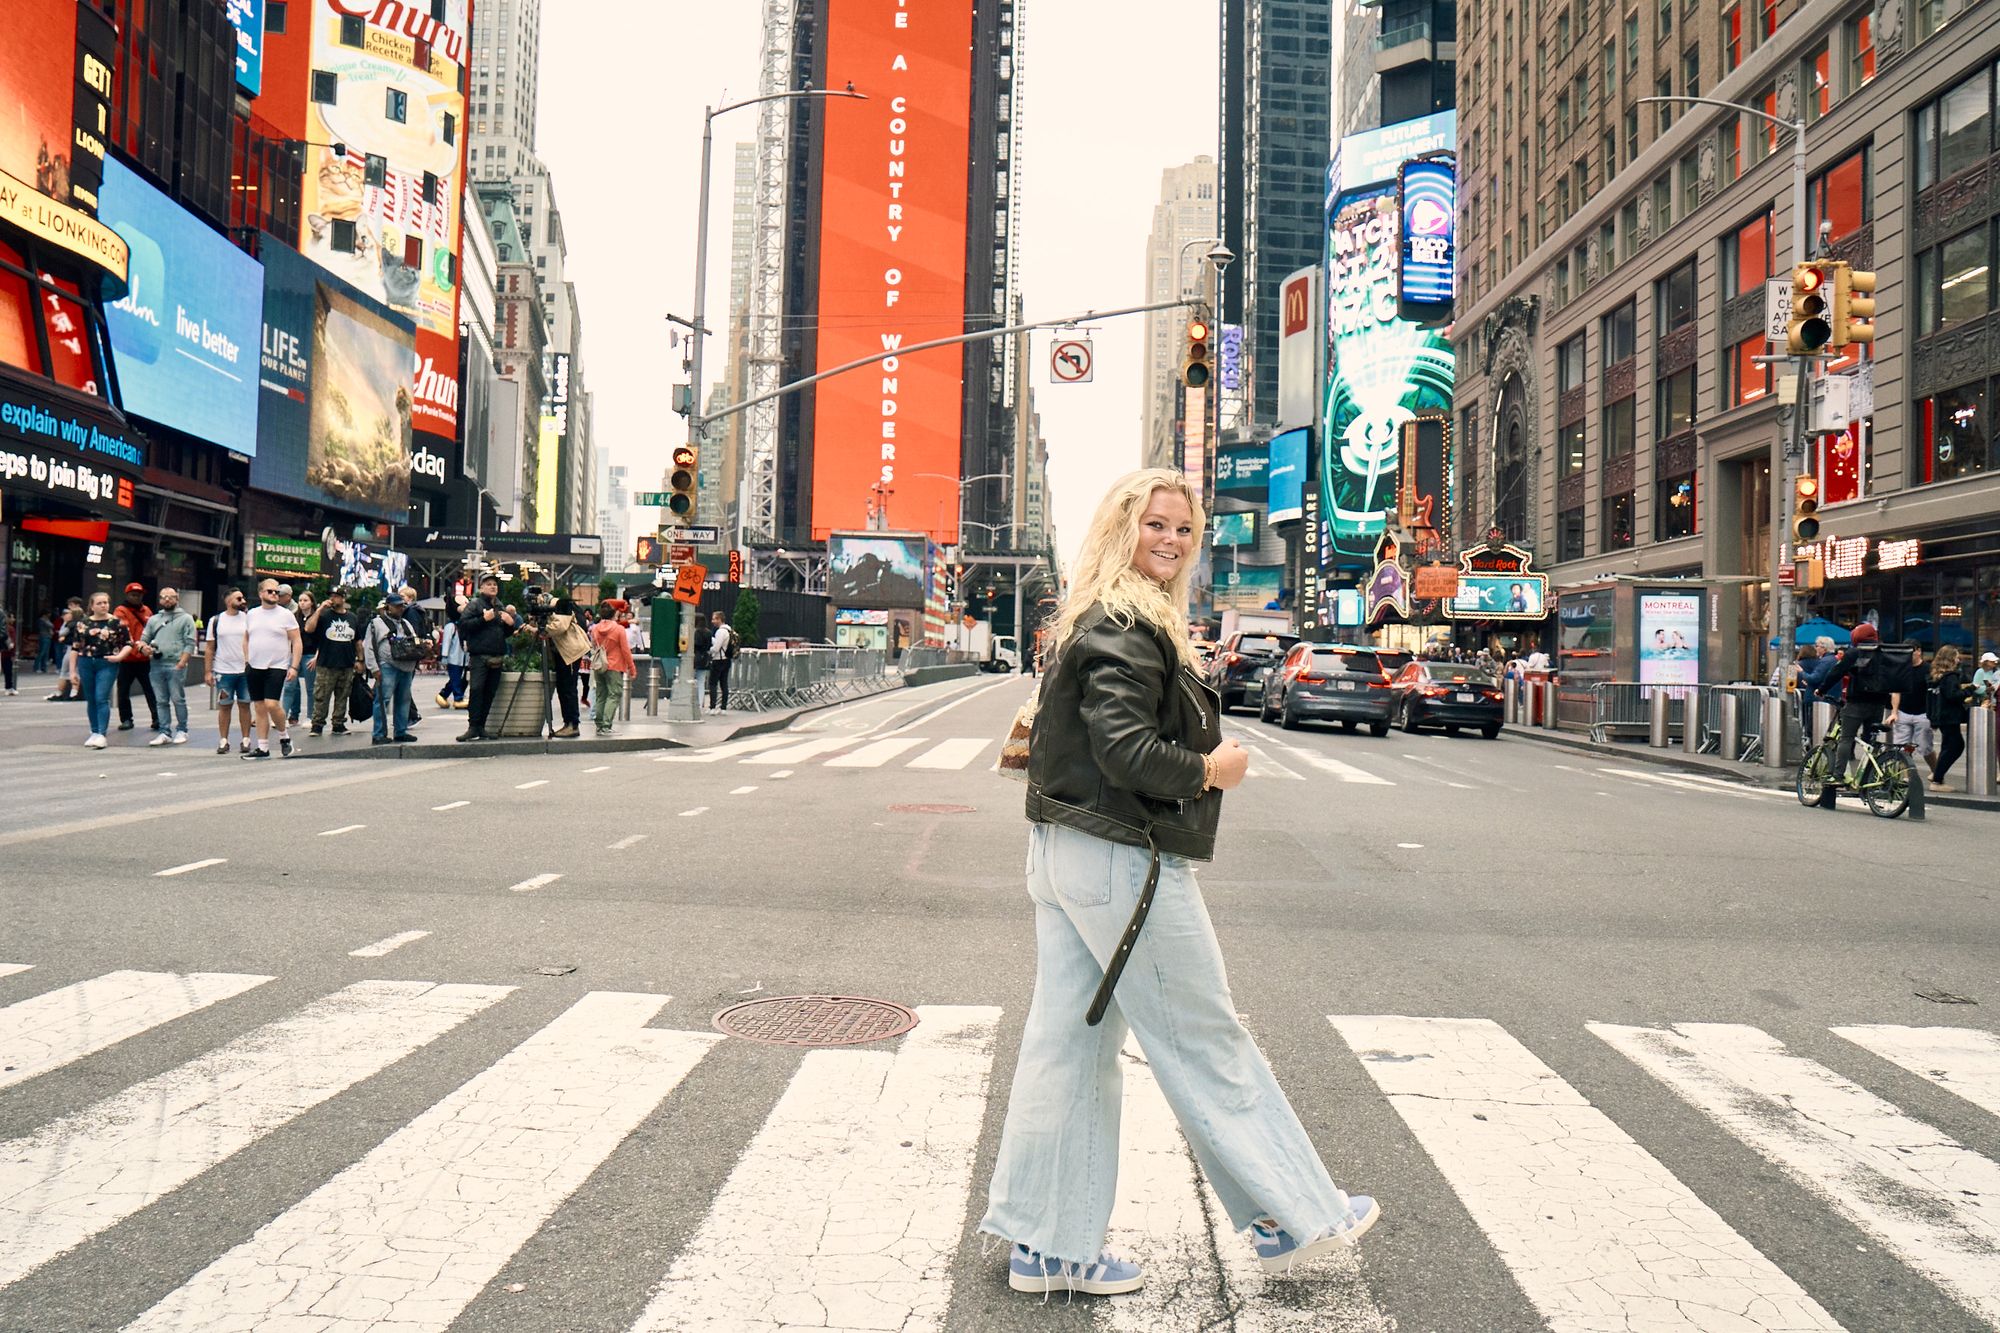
(761, 679)
(1622, 709)
(1749, 739)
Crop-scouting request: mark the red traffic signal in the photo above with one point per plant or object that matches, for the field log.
(1194, 365)
(1809, 329)
(681, 480)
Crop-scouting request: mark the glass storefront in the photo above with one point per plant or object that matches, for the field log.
(1952, 596)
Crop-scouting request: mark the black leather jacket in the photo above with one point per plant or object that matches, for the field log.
(1119, 734)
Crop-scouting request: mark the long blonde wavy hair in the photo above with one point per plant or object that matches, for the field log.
(1104, 575)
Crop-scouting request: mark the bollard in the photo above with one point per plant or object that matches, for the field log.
(1979, 755)
(1660, 730)
(653, 689)
(1548, 705)
(1822, 717)
(1691, 720)
(1732, 726)
(1510, 701)
(1778, 715)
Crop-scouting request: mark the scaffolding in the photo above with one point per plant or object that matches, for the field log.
(759, 518)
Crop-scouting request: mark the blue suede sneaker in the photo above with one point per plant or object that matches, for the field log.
(1111, 1275)
(1279, 1252)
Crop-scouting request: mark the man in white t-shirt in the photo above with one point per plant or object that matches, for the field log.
(272, 659)
(224, 649)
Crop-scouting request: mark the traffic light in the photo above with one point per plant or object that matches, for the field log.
(1853, 306)
(1805, 509)
(736, 566)
(1810, 328)
(681, 481)
(1194, 364)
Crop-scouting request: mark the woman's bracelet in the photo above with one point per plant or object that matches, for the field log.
(1208, 772)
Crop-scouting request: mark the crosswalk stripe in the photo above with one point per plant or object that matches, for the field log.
(86, 1172)
(1345, 772)
(727, 750)
(954, 753)
(384, 947)
(1695, 782)
(875, 753)
(1965, 1061)
(855, 1190)
(798, 754)
(1919, 1192)
(51, 1030)
(9, 969)
(1169, 1220)
(409, 1235)
(1597, 1232)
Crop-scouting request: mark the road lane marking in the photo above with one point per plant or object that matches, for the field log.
(1345, 772)
(51, 1030)
(495, 1160)
(601, 768)
(876, 753)
(1596, 1230)
(451, 805)
(632, 840)
(1411, 846)
(799, 753)
(9, 969)
(956, 753)
(537, 882)
(698, 810)
(1964, 1061)
(1689, 782)
(202, 864)
(965, 698)
(742, 791)
(1923, 1195)
(381, 948)
(728, 750)
(524, 786)
(344, 828)
(88, 1171)
(864, 1166)
(782, 773)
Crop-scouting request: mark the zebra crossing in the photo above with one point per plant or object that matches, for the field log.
(856, 1186)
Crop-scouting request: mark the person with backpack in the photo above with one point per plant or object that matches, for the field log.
(392, 650)
(1872, 681)
(569, 644)
(722, 646)
(704, 658)
(1951, 695)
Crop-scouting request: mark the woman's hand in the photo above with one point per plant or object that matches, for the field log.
(1230, 763)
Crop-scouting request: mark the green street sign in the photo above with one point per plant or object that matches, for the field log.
(657, 499)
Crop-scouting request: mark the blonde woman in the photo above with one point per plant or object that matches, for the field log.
(1125, 783)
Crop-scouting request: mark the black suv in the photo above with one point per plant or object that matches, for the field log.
(1333, 682)
(1242, 662)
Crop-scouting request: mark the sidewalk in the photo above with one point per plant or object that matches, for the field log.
(1714, 766)
(28, 720)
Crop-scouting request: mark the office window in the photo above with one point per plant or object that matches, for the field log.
(1674, 507)
(1617, 532)
(1844, 194)
(1816, 78)
(1930, 17)
(1610, 71)
(1857, 45)
(1620, 428)
(1673, 404)
(1691, 71)
(1767, 20)
(1689, 170)
(1743, 380)
(1628, 230)
(1729, 150)
(343, 236)
(450, 128)
(1631, 133)
(1632, 42)
(1562, 281)
(1665, 27)
(1764, 134)
(353, 31)
(1663, 112)
(1663, 204)
(375, 170)
(398, 106)
(1955, 280)
(276, 16)
(430, 188)
(1570, 445)
(1673, 300)
(1746, 256)
(325, 86)
(1620, 331)
(413, 252)
(1562, 116)
(1955, 131)
(1569, 533)
(1607, 246)
(1952, 435)
(1608, 148)
(1569, 365)
(1732, 36)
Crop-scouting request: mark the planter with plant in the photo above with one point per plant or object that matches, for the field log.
(521, 704)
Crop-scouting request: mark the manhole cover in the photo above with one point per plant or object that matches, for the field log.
(931, 809)
(815, 1020)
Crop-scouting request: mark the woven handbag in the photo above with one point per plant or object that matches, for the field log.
(1013, 760)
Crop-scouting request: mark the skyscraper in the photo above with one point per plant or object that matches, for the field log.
(506, 64)
(1184, 217)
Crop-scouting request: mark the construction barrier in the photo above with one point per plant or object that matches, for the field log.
(795, 677)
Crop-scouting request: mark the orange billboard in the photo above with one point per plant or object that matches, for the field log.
(892, 264)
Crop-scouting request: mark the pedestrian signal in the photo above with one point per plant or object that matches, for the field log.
(647, 553)
(1853, 306)
(1194, 363)
(1810, 329)
(1805, 509)
(681, 481)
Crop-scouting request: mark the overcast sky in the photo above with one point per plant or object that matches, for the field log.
(1115, 91)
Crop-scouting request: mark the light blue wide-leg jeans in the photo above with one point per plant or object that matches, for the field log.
(1057, 1172)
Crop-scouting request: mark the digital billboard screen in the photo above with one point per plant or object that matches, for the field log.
(38, 90)
(892, 260)
(875, 570)
(55, 83)
(1242, 471)
(1669, 638)
(248, 18)
(1238, 529)
(333, 418)
(184, 336)
(1427, 245)
(385, 174)
(1287, 475)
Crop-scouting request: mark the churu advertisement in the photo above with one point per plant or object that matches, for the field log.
(334, 417)
(185, 334)
(892, 261)
(403, 247)
(1381, 370)
(875, 570)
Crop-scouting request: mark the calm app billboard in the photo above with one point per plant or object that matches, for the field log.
(184, 336)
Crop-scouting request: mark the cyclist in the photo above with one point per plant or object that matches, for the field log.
(1874, 683)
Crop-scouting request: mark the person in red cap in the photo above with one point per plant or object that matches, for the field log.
(1874, 683)
(134, 613)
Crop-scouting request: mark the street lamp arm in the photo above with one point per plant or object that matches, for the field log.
(1783, 124)
(963, 481)
(790, 96)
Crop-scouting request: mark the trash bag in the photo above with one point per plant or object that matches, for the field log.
(361, 700)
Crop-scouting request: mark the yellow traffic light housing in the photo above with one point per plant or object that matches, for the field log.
(1805, 509)
(1194, 364)
(1810, 328)
(681, 481)
(1853, 306)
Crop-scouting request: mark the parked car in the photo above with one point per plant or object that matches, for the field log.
(1241, 663)
(1449, 695)
(1335, 682)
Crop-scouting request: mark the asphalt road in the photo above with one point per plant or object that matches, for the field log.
(1616, 1047)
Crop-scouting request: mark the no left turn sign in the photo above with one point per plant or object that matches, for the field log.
(1071, 361)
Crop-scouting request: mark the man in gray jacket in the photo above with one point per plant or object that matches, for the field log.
(169, 639)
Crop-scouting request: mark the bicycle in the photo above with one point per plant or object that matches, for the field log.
(1883, 778)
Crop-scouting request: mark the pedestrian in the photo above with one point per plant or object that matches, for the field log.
(1125, 775)
(65, 640)
(486, 627)
(99, 647)
(7, 647)
(1911, 727)
(1950, 691)
(271, 659)
(451, 651)
(392, 651)
(722, 646)
(1799, 683)
(610, 666)
(704, 645)
(337, 632)
(569, 644)
(133, 613)
(420, 625)
(225, 657)
(1986, 680)
(168, 642)
(45, 643)
(299, 692)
